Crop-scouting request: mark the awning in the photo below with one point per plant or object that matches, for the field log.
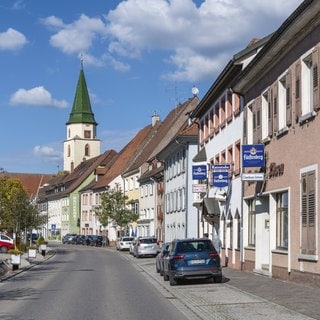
(201, 156)
(211, 207)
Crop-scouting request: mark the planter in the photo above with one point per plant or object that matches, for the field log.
(15, 261)
(42, 247)
(32, 253)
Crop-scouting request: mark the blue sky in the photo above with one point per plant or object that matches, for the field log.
(139, 57)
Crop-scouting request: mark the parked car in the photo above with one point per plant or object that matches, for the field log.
(78, 239)
(160, 256)
(146, 246)
(124, 243)
(95, 241)
(6, 243)
(68, 238)
(191, 259)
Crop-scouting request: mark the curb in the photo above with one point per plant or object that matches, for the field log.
(6, 271)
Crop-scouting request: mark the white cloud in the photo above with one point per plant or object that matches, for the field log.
(37, 96)
(77, 36)
(12, 40)
(199, 39)
(48, 152)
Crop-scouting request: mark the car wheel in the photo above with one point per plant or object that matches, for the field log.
(4, 249)
(157, 269)
(161, 273)
(218, 279)
(172, 281)
(165, 276)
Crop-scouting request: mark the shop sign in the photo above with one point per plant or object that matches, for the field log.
(221, 179)
(199, 172)
(253, 176)
(199, 188)
(253, 155)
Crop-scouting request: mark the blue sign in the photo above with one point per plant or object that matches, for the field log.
(221, 167)
(220, 179)
(199, 172)
(253, 155)
(53, 227)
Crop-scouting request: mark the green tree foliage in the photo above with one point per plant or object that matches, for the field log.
(16, 211)
(114, 208)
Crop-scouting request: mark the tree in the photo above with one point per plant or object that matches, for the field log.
(114, 208)
(17, 212)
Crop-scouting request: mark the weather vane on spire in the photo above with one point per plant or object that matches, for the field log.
(81, 60)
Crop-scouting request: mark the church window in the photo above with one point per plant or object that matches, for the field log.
(87, 150)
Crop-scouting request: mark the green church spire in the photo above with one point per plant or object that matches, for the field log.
(81, 110)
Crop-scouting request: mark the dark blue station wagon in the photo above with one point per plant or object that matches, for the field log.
(191, 259)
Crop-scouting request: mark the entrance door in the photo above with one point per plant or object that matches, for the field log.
(263, 235)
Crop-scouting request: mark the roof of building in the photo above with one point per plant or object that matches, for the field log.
(66, 183)
(123, 159)
(81, 109)
(162, 136)
(31, 182)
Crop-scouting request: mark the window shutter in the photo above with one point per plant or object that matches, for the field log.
(258, 119)
(308, 213)
(289, 98)
(270, 113)
(297, 93)
(245, 125)
(275, 111)
(315, 76)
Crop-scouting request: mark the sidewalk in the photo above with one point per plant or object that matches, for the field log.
(243, 295)
(6, 270)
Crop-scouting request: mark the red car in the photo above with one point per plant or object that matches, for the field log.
(6, 243)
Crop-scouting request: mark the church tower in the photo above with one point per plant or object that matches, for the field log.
(81, 143)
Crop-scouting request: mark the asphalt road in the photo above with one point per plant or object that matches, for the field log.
(82, 282)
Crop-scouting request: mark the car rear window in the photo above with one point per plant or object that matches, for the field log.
(127, 239)
(148, 240)
(191, 246)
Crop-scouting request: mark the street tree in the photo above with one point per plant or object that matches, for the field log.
(17, 212)
(114, 208)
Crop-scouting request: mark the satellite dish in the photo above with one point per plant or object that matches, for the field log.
(195, 91)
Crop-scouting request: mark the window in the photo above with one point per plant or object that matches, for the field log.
(87, 134)
(231, 232)
(251, 223)
(237, 158)
(308, 213)
(282, 220)
(69, 150)
(87, 150)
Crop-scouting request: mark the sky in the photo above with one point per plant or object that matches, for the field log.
(140, 57)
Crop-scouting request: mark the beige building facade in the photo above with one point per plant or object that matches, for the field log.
(281, 93)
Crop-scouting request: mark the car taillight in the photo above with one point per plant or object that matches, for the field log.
(178, 257)
(213, 255)
(138, 244)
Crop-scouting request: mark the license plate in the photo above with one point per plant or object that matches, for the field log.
(197, 261)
